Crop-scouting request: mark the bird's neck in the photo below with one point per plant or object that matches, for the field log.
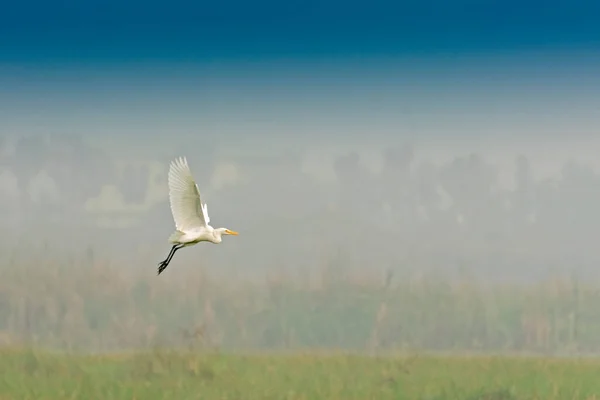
(217, 235)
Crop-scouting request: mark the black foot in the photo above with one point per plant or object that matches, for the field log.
(161, 266)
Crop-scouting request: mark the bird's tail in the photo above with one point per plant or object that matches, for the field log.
(175, 236)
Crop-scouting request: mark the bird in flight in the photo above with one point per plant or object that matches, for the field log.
(190, 214)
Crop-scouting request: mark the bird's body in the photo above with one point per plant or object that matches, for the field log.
(190, 214)
(192, 237)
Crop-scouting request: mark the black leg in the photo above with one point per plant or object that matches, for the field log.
(163, 264)
(173, 253)
(170, 253)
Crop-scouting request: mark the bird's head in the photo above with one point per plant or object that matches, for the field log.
(225, 231)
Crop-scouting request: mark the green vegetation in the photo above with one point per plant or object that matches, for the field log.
(280, 322)
(86, 305)
(169, 375)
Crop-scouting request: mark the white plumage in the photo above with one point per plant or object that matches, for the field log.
(190, 214)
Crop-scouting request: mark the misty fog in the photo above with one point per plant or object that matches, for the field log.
(412, 213)
(83, 230)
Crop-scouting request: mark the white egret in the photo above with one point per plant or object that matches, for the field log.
(190, 214)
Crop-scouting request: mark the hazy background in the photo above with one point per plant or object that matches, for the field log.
(443, 140)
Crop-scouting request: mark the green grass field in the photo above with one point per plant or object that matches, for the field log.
(168, 375)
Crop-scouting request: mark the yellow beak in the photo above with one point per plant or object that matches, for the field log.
(227, 231)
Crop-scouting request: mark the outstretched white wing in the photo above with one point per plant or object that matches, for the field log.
(184, 196)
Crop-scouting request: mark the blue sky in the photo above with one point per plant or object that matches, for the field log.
(426, 68)
(114, 31)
